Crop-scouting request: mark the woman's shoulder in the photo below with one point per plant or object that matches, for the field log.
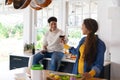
(82, 39)
(101, 42)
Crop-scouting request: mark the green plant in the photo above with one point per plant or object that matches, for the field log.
(40, 34)
(4, 31)
(7, 31)
(74, 33)
(28, 46)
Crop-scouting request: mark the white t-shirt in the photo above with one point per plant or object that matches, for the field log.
(52, 40)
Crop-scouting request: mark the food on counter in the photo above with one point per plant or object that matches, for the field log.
(73, 57)
(78, 76)
(63, 76)
(49, 78)
(72, 78)
(51, 75)
(57, 77)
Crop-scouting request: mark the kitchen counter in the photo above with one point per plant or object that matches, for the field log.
(64, 59)
(21, 60)
(67, 66)
(73, 61)
(24, 74)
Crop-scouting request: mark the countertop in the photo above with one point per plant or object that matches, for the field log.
(64, 59)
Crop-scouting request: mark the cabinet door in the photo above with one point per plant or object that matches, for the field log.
(18, 62)
(64, 67)
(105, 73)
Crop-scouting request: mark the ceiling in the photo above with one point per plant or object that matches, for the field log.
(74, 2)
(3, 1)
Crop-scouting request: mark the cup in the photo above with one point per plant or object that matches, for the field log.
(62, 36)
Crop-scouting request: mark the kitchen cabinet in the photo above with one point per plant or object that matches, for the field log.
(106, 71)
(18, 61)
(66, 65)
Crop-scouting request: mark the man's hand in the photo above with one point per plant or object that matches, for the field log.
(43, 51)
(62, 39)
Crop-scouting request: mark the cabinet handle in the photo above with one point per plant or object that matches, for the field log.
(17, 59)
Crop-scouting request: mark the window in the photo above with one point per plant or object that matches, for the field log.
(11, 31)
(42, 17)
(77, 11)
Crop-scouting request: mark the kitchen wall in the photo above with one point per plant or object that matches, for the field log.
(114, 15)
(109, 20)
(104, 24)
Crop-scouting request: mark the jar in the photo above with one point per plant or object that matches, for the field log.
(37, 72)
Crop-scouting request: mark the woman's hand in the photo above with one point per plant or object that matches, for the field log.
(86, 76)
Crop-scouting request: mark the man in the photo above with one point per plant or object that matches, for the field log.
(52, 47)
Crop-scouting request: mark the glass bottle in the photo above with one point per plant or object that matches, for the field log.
(33, 49)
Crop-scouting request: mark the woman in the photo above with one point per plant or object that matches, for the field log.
(90, 51)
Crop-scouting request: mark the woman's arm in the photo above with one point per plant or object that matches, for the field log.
(73, 50)
(98, 65)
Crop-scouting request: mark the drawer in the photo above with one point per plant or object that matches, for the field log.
(18, 62)
(66, 67)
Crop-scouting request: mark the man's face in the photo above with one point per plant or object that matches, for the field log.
(53, 25)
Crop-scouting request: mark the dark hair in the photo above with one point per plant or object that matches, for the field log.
(90, 41)
(52, 19)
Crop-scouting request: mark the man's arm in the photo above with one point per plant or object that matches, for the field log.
(44, 49)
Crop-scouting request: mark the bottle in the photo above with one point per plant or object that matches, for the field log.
(33, 49)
